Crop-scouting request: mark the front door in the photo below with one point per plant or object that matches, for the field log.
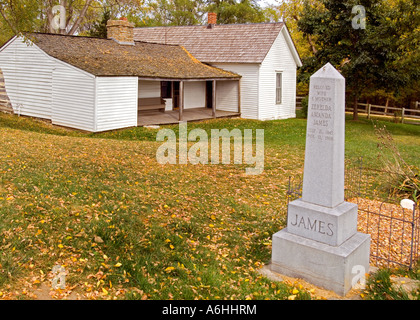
(209, 94)
(175, 95)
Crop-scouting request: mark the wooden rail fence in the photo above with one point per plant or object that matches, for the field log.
(404, 114)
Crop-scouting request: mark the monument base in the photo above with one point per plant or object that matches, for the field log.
(321, 264)
(332, 226)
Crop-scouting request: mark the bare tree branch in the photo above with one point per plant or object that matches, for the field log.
(311, 43)
(12, 27)
(80, 18)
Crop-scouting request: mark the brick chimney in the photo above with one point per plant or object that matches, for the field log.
(211, 18)
(121, 31)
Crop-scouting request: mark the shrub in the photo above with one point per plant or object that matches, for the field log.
(400, 178)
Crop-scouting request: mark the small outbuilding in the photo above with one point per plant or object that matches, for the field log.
(262, 53)
(103, 84)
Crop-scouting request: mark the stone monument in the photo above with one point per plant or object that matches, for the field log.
(320, 243)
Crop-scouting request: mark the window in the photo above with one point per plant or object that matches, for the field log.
(278, 87)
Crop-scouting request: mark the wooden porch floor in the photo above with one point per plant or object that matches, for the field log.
(147, 118)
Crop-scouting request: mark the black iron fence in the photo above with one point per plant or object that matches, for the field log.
(394, 230)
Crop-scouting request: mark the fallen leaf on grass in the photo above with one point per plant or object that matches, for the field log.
(98, 239)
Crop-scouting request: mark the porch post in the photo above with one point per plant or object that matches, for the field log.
(213, 106)
(181, 100)
(239, 95)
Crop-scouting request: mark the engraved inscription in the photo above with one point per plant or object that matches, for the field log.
(321, 114)
(312, 224)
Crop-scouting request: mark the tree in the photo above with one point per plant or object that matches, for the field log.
(139, 12)
(73, 15)
(99, 29)
(28, 15)
(290, 12)
(365, 56)
(17, 16)
(175, 12)
(192, 12)
(404, 18)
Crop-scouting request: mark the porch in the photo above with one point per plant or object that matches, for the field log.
(154, 117)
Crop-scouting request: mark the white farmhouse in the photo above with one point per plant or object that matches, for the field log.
(97, 84)
(262, 53)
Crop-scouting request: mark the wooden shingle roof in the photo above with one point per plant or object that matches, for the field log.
(105, 57)
(230, 43)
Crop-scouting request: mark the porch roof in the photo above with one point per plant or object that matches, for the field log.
(106, 57)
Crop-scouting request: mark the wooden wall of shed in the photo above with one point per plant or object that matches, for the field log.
(28, 74)
(116, 102)
(5, 104)
(194, 94)
(278, 59)
(227, 95)
(73, 98)
(149, 89)
(43, 87)
(249, 86)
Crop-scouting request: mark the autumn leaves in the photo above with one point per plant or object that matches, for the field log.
(123, 226)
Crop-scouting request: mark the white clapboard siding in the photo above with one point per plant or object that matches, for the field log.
(28, 78)
(278, 59)
(249, 86)
(116, 102)
(73, 97)
(149, 89)
(227, 95)
(194, 94)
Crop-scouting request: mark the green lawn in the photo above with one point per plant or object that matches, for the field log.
(125, 226)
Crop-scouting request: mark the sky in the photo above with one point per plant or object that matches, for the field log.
(263, 3)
